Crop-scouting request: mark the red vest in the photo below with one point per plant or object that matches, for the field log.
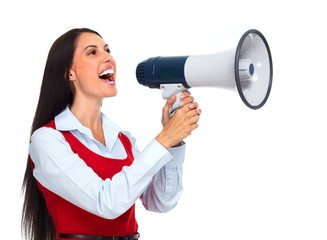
(70, 219)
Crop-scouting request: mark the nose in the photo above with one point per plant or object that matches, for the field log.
(107, 57)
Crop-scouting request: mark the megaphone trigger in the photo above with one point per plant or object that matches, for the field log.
(169, 90)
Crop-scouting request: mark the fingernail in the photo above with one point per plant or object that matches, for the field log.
(181, 104)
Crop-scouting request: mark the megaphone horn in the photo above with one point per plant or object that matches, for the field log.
(247, 68)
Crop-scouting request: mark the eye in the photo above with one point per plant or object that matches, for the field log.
(92, 52)
(108, 51)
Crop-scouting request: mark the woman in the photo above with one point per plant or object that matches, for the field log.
(83, 173)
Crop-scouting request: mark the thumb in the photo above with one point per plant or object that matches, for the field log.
(171, 100)
(169, 103)
(165, 110)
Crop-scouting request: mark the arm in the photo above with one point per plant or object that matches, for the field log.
(61, 171)
(166, 187)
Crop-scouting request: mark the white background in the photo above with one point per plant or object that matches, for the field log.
(247, 174)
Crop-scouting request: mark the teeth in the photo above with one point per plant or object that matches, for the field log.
(109, 71)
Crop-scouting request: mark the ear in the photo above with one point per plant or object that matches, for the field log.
(72, 75)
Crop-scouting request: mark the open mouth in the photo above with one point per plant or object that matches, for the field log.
(108, 76)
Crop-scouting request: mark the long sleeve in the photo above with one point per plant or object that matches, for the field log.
(166, 187)
(61, 171)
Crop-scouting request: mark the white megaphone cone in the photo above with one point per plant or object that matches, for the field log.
(247, 68)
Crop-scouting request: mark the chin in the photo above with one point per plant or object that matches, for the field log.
(112, 93)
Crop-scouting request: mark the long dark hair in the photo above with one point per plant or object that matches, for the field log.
(56, 93)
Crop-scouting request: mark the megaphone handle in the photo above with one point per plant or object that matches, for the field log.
(169, 90)
(176, 105)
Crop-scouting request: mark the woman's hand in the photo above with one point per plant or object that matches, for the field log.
(183, 122)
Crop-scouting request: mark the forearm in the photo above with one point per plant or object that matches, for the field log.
(166, 187)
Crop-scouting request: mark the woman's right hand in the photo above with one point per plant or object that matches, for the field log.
(184, 121)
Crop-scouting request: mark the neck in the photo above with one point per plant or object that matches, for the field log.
(88, 112)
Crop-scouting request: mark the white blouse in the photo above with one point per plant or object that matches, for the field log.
(155, 175)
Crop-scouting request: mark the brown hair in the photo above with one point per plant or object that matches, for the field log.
(55, 94)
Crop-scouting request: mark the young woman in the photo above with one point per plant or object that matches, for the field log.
(84, 173)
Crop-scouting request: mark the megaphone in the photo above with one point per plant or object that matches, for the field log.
(247, 68)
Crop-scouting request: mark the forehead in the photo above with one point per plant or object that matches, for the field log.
(86, 39)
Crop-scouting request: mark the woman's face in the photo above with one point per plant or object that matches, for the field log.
(93, 71)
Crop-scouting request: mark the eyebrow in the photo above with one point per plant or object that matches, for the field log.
(95, 46)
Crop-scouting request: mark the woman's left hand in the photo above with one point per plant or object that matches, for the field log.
(186, 98)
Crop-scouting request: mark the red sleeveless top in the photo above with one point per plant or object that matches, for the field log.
(70, 219)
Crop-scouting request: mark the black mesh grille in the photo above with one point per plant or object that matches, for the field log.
(140, 73)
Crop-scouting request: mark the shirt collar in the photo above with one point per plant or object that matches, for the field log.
(66, 121)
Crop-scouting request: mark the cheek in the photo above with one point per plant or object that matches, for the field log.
(86, 74)
(86, 71)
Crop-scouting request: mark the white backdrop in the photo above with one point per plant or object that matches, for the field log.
(247, 174)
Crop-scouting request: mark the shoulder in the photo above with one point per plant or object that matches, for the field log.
(129, 136)
(47, 143)
(47, 134)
